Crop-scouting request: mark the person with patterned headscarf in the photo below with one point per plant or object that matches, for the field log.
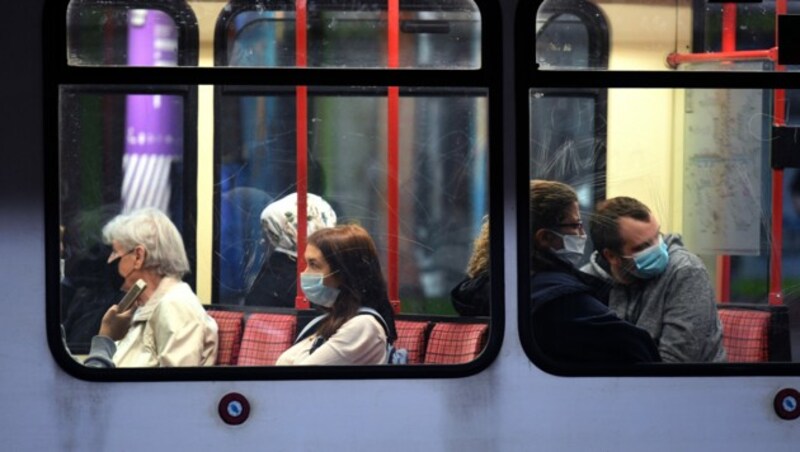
(276, 283)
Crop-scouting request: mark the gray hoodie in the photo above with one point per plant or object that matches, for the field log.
(677, 308)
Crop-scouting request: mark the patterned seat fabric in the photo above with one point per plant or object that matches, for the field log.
(411, 336)
(455, 343)
(745, 334)
(229, 325)
(265, 337)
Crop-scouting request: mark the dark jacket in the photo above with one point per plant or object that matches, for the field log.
(571, 323)
(276, 283)
(472, 295)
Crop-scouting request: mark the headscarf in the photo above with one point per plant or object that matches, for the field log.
(279, 220)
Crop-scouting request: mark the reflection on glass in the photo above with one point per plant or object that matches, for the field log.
(440, 208)
(118, 153)
(102, 35)
(575, 34)
(697, 162)
(442, 35)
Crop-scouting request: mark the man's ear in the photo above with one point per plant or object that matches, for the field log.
(609, 256)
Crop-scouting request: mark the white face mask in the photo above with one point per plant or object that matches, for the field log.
(573, 248)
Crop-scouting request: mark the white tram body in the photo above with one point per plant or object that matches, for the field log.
(507, 403)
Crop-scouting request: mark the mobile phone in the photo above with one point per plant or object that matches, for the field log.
(131, 295)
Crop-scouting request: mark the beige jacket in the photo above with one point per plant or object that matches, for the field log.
(360, 341)
(172, 329)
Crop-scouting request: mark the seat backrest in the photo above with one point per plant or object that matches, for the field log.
(411, 336)
(745, 334)
(455, 343)
(229, 324)
(265, 337)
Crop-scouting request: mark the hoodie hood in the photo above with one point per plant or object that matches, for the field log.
(599, 267)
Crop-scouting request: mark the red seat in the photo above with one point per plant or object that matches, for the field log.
(745, 334)
(455, 343)
(265, 337)
(411, 336)
(229, 325)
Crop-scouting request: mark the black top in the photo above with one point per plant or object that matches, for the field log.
(571, 323)
(276, 283)
(472, 295)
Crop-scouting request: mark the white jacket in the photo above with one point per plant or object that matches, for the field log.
(172, 329)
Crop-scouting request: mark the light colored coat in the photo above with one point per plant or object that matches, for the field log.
(172, 329)
(359, 341)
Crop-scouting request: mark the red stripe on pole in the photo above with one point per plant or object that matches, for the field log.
(775, 270)
(729, 27)
(393, 160)
(393, 195)
(674, 59)
(301, 123)
(394, 33)
(300, 34)
(723, 279)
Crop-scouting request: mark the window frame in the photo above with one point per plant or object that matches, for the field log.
(528, 76)
(57, 73)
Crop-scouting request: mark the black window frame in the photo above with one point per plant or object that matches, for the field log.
(57, 73)
(529, 75)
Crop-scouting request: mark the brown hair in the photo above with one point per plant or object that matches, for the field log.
(479, 260)
(604, 224)
(351, 254)
(549, 203)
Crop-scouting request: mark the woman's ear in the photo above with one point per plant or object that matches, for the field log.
(140, 253)
(543, 239)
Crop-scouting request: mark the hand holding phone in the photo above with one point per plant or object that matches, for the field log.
(131, 295)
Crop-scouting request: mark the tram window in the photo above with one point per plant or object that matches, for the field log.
(699, 160)
(442, 34)
(122, 34)
(440, 210)
(119, 152)
(659, 36)
(406, 160)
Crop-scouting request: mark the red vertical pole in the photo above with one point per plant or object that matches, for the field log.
(393, 160)
(776, 252)
(728, 45)
(301, 124)
(729, 27)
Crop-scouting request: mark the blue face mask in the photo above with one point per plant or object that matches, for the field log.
(651, 261)
(316, 291)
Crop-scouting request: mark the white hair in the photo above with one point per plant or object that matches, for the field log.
(153, 230)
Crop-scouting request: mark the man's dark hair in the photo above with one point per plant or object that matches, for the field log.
(604, 224)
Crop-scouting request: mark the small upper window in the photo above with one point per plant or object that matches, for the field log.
(649, 37)
(423, 34)
(127, 34)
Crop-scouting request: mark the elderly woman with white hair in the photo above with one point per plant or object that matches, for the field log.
(169, 327)
(276, 283)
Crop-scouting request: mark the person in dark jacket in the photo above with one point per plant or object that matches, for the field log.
(276, 283)
(471, 296)
(570, 320)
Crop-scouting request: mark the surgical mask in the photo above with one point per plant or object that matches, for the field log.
(652, 261)
(316, 291)
(574, 245)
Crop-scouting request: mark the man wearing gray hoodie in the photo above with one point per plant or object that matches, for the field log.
(657, 284)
